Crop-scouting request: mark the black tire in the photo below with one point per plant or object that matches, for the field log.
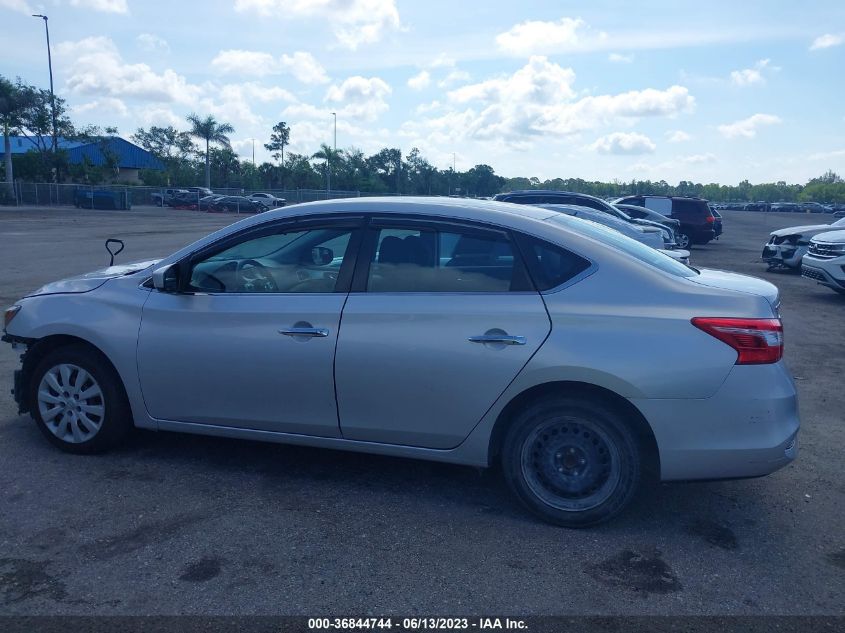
(115, 423)
(571, 461)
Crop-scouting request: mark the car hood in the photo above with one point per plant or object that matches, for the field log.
(742, 283)
(801, 230)
(90, 281)
(831, 237)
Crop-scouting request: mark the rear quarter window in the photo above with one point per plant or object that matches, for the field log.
(549, 265)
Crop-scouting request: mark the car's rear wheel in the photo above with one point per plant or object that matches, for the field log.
(571, 461)
(684, 240)
(78, 401)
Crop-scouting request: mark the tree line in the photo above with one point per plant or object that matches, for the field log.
(26, 111)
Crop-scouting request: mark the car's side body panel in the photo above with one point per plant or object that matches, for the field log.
(407, 373)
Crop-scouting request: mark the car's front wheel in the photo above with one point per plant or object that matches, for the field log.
(78, 401)
(571, 461)
(684, 240)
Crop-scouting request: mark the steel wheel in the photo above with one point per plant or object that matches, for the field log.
(569, 465)
(71, 403)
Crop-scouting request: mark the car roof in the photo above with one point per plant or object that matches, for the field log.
(545, 192)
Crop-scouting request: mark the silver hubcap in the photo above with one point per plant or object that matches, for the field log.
(71, 403)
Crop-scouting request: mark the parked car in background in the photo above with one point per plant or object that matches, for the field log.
(717, 223)
(812, 207)
(757, 206)
(205, 203)
(839, 211)
(661, 239)
(825, 259)
(641, 213)
(786, 247)
(545, 196)
(236, 204)
(163, 197)
(201, 191)
(693, 213)
(268, 200)
(473, 333)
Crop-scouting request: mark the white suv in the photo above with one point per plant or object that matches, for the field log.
(825, 260)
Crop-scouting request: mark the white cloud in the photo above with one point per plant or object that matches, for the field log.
(620, 59)
(428, 107)
(837, 153)
(626, 143)
(160, 116)
(152, 43)
(697, 159)
(353, 22)
(533, 36)
(747, 128)
(538, 100)
(360, 97)
(304, 67)
(98, 69)
(108, 106)
(420, 81)
(750, 76)
(240, 62)
(455, 76)
(107, 6)
(21, 6)
(442, 60)
(827, 40)
(300, 64)
(678, 136)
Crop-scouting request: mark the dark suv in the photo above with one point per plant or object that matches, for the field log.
(697, 222)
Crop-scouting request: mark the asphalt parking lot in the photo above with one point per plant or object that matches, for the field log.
(175, 524)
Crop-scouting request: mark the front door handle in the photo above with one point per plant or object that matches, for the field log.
(498, 338)
(311, 332)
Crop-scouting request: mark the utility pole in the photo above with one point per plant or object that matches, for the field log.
(52, 94)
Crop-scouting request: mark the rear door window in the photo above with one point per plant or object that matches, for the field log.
(428, 259)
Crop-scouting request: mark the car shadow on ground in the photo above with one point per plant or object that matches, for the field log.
(310, 476)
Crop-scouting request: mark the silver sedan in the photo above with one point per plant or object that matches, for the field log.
(470, 332)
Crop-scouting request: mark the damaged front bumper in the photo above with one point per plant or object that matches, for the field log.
(785, 253)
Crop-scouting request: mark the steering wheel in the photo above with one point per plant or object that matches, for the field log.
(253, 276)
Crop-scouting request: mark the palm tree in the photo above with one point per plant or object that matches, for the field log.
(211, 131)
(332, 158)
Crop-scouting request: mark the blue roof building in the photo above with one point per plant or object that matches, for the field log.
(130, 157)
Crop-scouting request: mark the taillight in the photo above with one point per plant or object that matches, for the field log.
(710, 219)
(756, 341)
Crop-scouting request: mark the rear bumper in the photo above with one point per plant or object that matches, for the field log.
(702, 236)
(748, 428)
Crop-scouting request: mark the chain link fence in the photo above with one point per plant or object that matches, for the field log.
(125, 196)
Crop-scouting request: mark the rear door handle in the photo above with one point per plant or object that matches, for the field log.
(313, 332)
(498, 338)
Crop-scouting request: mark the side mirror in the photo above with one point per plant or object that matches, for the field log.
(166, 278)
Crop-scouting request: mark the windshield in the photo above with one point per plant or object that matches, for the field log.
(625, 244)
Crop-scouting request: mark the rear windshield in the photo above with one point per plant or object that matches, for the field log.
(625, 244)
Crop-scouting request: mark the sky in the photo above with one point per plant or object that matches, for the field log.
(604, 90)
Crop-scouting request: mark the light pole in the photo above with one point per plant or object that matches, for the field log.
(253, 150)
(328, 161)
(52, 94)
